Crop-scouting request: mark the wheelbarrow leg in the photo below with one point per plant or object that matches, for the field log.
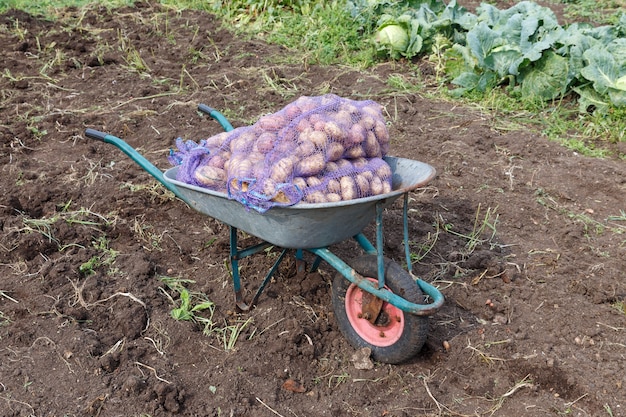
(300, 263)
(234, 262)
(236, 255)
(269, 276)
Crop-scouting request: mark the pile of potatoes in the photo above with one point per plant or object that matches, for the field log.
(316, 150)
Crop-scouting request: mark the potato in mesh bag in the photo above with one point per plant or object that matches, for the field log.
(309, 140)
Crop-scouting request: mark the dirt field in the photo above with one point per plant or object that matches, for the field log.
(534, 318)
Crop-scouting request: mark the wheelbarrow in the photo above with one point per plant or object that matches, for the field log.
(377, 303)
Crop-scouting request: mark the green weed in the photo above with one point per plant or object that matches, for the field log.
(189, 304)
(483, 230)
(197, 308)
(45, 226)
(146, 233)
(105, 257)
(422, 249)
(590, 225)
(155, 190)
(230, 333)
(620, 305)
(132, 57)
(405, 83)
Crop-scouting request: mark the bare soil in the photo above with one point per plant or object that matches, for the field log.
(533, 324)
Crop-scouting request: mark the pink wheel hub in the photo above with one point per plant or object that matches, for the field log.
(386, 331)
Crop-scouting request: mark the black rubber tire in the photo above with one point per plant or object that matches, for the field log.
(400, 282)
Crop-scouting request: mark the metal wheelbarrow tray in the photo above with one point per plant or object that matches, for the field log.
(305, 226)
(377, 303)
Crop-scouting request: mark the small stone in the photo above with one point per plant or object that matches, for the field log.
(446, 345)
(361, 359)
(500, 319)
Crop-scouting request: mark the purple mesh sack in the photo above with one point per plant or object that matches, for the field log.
(202, 164)
(316, 149)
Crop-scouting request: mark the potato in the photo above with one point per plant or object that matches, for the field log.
(218, 140)
(311, 165)
(318, 138)
(257, 160)
(368, 122)
(333, 197)
(255, 156)
(349, 107)
(315, 197)
(210, 176)
(238, 186)
(343, 118)
(362, 185)
(386, 187)
(316, 119)
(373, 109)
(334, 132)
(360, 163)
(304, 125)
(282, 170)
(304, 101)
(356, 135)
(272, 122)
(372, 147)
(331, 167)
(380, 129)
(354, 152)
(268, 187)
(313, 182)
(333, 186)
(319, 125)
(292, 111)
(240, 167)
(242, 143)
(217, 161)
(307, 105)
(348, 189)
(328, 99)
(334, 151)
(376, 186)
(258, 169)
(305, 149)
(343, 164)
(383, 171)
(284, 147)
(384, 148)
(300, 183)
(265, 142)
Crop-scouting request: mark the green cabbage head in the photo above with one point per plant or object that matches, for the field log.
(392, 39)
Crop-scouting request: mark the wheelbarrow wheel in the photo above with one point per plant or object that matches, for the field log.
(392, 335)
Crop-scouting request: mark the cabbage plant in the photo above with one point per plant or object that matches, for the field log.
(397, 37)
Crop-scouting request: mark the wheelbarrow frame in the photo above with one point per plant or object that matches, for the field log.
(188, 193)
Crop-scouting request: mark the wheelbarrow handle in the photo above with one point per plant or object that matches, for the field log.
(203, 108)
(135, 156)
(95, 134)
